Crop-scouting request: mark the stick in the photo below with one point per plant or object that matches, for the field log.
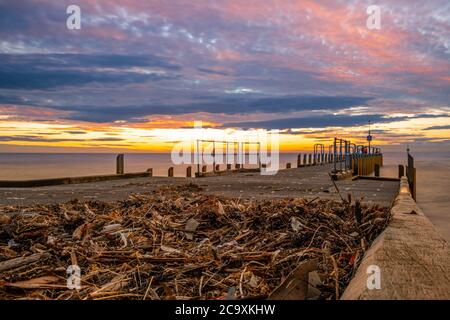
(337, 189)
(336, 277)
(21, 261)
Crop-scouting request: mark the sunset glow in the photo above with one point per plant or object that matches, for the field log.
(138, 74)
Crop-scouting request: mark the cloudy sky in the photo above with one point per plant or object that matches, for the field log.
(138, 72)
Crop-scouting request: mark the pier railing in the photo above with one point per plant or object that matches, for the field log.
(236, 157)
(359, 159)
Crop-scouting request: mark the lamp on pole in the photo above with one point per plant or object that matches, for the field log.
(369, 137)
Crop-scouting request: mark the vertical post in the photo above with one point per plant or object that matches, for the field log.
(349, 156)
(204, 168)
(150, 172)
(237, 146)
(226, 156)
(414, 184)
(189, 172)
(346, 155)
(288, 165)
(304, 159)
(401, 171)
(361, 164)
(377, 170)
(120, 164)
(214, 156)
(243, 155)
(299, 160)
(259, 155)
(198, 157)
(239, 155)
(170, 172)
(334, 155)
(310, 159)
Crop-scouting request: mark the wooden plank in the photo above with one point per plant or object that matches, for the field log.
(21, 261)
(295, 286)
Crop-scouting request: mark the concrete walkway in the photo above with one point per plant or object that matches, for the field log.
(306, 182)
(411, 258)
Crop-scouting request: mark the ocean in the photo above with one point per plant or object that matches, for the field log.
(433, 172)
(23, 166)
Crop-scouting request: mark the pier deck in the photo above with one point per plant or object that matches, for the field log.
(306, 182)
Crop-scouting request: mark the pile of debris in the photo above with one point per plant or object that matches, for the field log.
(178, 243)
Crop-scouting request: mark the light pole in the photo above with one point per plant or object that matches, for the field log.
(369, 138)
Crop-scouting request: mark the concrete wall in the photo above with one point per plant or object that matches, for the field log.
(71, 180)
(413, 258)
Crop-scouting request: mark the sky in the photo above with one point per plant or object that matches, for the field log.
(138, 74)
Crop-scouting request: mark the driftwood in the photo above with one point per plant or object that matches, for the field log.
(296, 285)
(21, 261)
(178, 243)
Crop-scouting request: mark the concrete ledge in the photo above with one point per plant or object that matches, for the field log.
(69, 180)
(413, 258)
(375, 178)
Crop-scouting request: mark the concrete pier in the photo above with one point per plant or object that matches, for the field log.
(306, 182)
(411, 256)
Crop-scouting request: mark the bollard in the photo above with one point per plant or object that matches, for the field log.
(189, 172)
(401, 171)
(304, 159)
(237, 166)
(310, 159)
(217, 167)
(120, 164)
(150, 172)
(204, 168)
(360, 166)
(228, 167)
(299, 160)
(288, 165)
(377, 170)
(355, 167)
(170, 172)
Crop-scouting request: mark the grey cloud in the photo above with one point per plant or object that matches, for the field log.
(314, 122)
(55, 70)
(438, 128)
(211, 104)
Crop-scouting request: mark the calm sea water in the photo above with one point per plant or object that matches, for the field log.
(20, 166)
(433, 184)
(433, 172)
